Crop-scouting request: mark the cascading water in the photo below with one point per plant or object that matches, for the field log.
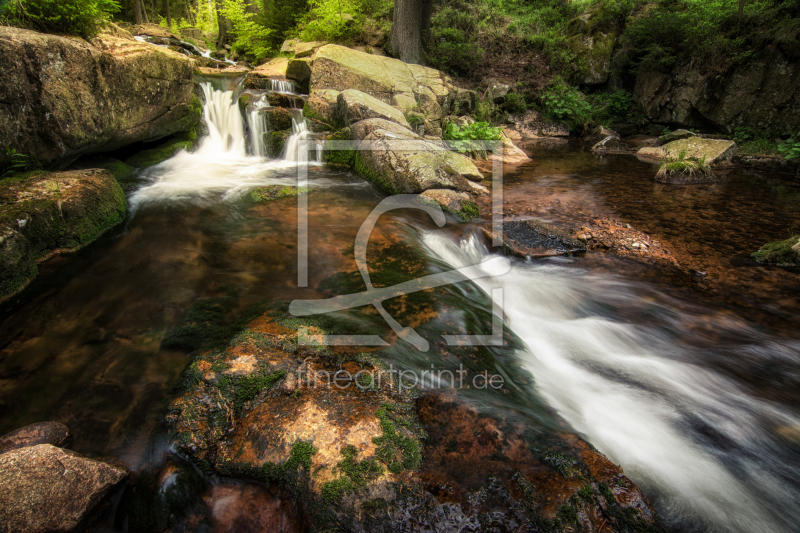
(712, 454)
(294, 150)
(257, 123)
(282, 86)
(220, 164)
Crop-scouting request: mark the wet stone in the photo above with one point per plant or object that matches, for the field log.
(533, 238)
(53, 433)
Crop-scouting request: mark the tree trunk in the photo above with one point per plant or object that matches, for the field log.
(741, 11)
(222, 23)
(425, 23)
(406, 39)
(169, 17)
(137, 11)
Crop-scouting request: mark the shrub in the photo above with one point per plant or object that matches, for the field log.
(468, 138)
(252, 38)
(790, 148)
(71, 17)
(453, 43)
(567, 104)
(752, 141)
(332, 20)
(515, 104)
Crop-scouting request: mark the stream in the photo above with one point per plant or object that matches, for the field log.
(693, 392)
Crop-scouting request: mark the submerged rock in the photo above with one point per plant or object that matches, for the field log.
(50, 212)
(607, 140)
(54, 433)
(46, 489)
(273, 192)
(533, 238)
(63, 97)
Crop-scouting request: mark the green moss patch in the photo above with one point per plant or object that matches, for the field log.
(164, 151)
(781, 253)
(273, 192)
(398, 447)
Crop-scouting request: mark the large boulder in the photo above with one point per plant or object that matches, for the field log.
(63, 97)
(354, 106)
(44, 489)
(460, 204)
(403, 85)
(401, 162)
(53, 433)
(592, 44)
(715, 152)
(51, 212)
(274, 69)
(762, 92)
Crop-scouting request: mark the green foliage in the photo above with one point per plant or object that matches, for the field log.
(683, 166)
(662, 32)
(252, 37)
(561, 102)
(332, 20)
(71, 17)
(415, 119)
(515, 104)
(469, 138)
(453, 44)
(752, 141)
(790, 148)
(282, 16)
(16, 163)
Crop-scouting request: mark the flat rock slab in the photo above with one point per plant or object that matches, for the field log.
(53, 433)
(533, 238)
(676, 135)
(47, 489)
(716, 152)
(354, 106)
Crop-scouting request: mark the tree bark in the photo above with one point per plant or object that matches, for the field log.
(406, 38)
(741, 11)
(169, 17)
(222, 24)
(137, 11)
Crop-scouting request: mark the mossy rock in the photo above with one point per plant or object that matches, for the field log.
(51, 212)
(154, 156)
(273, 192)
(122, 172)
(278, 118)
(274, 141)
(781, 253)
(341, 158)
(460, 204)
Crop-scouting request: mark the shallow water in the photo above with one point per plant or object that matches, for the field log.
(693, 390)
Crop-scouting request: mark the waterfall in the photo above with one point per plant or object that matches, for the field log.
(220, 165)
(300, 133)
(224, 121)
(282, 86)
(257, 123)
(712, 453)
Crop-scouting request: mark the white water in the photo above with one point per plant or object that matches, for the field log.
(681, 431)
(219, 165)
(282, 86)
(298, 140)
(257, 123)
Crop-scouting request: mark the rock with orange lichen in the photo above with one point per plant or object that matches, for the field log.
(270, 409)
